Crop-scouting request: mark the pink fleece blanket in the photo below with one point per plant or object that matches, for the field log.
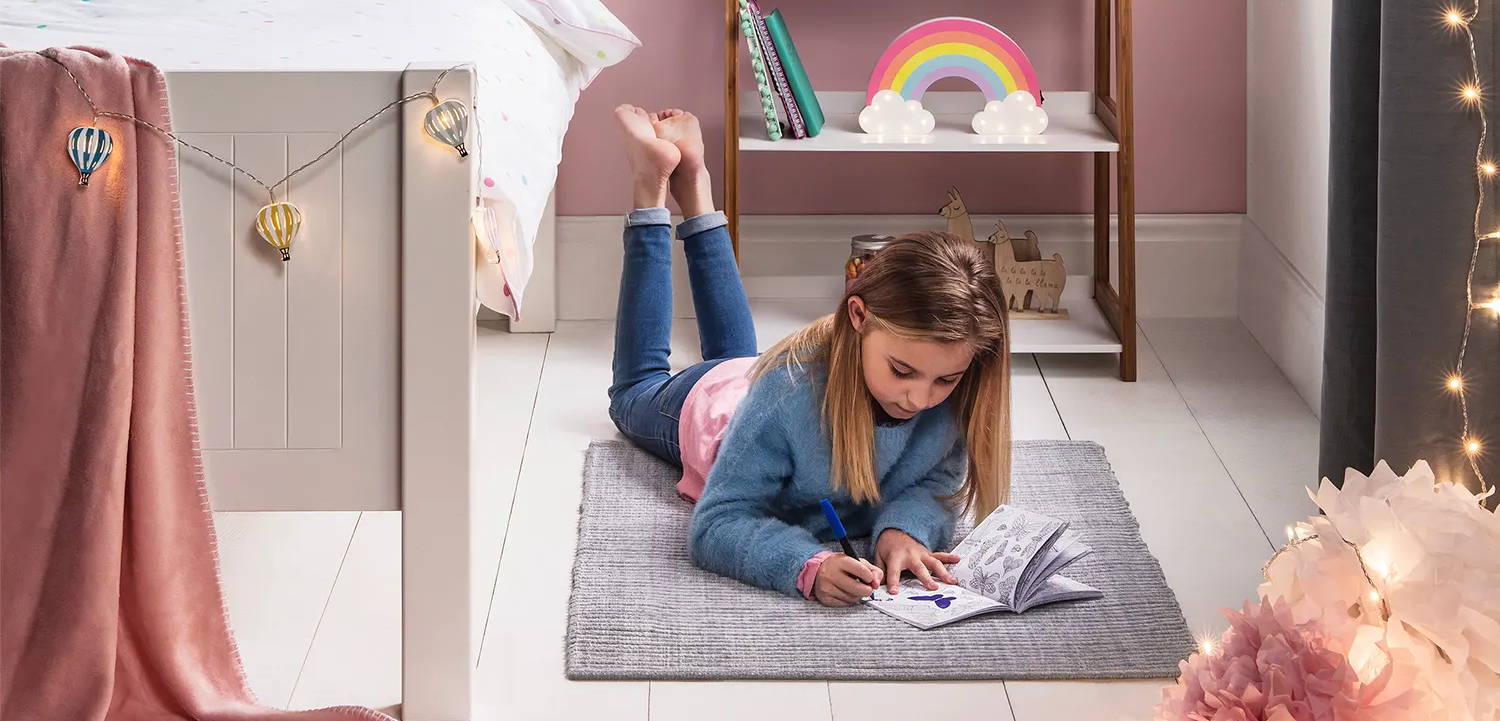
(110, 606)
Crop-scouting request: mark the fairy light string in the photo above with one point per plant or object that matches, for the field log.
(277, 222)
(430, 93)
(1471, 94)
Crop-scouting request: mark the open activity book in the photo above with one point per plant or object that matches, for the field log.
(1009, 563)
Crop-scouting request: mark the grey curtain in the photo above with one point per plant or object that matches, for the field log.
(1401, 203)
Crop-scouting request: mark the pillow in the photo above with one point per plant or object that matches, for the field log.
(585, 28)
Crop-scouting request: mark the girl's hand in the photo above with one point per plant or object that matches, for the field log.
(896, 551)
(843, 581)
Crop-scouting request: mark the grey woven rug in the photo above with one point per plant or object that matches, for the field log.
(641, 610)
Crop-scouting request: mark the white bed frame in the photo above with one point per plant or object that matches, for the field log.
(345, 379)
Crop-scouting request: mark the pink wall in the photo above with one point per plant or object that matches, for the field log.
(1190, 109)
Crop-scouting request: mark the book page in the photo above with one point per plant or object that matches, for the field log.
(1059, 588)
(994, 556)
(926, 609)
(1059, 555)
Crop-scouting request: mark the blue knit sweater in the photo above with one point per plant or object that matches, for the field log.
(759, 520)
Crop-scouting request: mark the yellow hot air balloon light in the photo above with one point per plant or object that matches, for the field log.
(278, 224)
(448, 122)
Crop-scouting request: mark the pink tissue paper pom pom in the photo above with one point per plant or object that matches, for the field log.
(1267, 668)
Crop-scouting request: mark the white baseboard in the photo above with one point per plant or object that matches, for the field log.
(1186, 265)
(1283, 311)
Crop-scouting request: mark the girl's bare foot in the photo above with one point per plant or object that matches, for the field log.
(652, 159)
(691, 185)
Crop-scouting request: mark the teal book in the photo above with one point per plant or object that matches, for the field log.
(796, 75)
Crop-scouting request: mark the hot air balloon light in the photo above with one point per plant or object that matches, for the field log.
(448, 122)
(278, 224)
(89, 147)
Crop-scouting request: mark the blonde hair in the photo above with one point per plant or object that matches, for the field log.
(925, 286)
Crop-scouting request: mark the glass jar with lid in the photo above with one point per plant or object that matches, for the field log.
(861, 249)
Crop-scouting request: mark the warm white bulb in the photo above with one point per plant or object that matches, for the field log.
(1488, 168)
(1206, 646)
(1454, 18)
(1471, 446)
(1374, 596)
(1455, 383)
(1469, 92)
(1290, 536)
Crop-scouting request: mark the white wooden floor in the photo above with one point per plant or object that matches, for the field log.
(1212, 447)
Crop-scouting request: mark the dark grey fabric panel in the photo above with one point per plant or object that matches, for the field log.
(1348, 403)
(1401, 206)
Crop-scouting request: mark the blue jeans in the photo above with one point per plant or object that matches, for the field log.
(645, 399)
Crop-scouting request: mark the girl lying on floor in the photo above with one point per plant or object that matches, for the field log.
(896, 406)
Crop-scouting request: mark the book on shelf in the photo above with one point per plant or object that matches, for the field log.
(763, 91)
(796, 74)
(795, 124)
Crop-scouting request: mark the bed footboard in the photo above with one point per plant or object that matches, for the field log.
(344, 378)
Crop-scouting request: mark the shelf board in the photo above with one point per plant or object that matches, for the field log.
(1072, 127)
(1085, 330)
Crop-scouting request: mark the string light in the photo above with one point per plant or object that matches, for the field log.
(1493, 304)
(1206, 646)
(276, 222)
(448, 122)
(88, 148)
(1470, 93)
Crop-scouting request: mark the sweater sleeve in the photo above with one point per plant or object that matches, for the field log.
(921, 509)
(734, 531)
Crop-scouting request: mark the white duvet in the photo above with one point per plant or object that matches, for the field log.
(527, 83)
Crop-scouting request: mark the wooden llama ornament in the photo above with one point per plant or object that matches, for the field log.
(957, 214)
(962, 225)
(1033, 288)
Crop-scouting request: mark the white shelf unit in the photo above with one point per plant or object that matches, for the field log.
(1072, 127)
(1099, 122)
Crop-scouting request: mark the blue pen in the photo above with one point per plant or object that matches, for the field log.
(838, 529)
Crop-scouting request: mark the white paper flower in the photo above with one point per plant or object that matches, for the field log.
(1431, 549)
(890, 114)
(1017, 114)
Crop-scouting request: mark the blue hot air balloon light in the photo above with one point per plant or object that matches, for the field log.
(89, 147)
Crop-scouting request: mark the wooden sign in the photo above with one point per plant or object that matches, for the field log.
(1033, 288)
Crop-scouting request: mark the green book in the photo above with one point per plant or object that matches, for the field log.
(762, 76)
(796, 75)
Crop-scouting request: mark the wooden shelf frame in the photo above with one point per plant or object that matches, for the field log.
(1114, 106)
